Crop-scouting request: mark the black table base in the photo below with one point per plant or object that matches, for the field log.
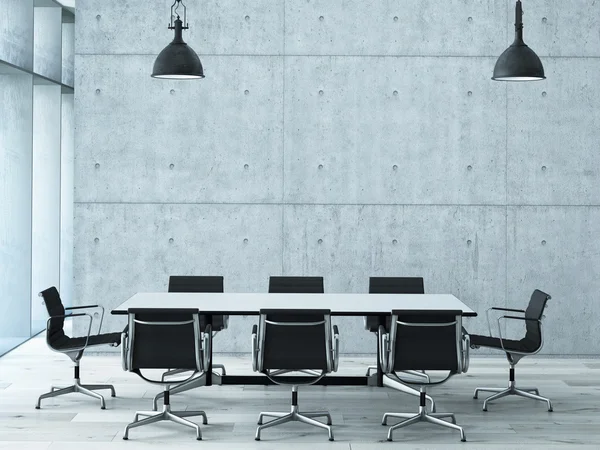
(262, 380)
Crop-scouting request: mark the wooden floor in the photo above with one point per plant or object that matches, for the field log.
(76, 422)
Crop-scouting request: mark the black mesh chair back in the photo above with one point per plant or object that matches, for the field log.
(396, 285)
(200, 284)
(534, 312)
(425, 340)
(195, 284)
(296, 285)
(56, 311)
(164, 338)
(296, 340)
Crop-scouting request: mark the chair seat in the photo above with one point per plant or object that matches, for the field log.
(494, 342)
(66, 342)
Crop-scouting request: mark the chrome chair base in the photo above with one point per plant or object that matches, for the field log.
(416, 373)
(167, 414)
(179, 371)
(531, 393)
(399, 386)
(315, 373)
(422, 416)
(77, 387)
(191, 384)
(294, 415)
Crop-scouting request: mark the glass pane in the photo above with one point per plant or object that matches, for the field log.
(45, 254)
(15, 204)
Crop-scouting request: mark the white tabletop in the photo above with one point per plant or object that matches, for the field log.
(251, 304)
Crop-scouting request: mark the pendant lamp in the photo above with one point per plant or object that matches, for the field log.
(518, 62)
(177, 60)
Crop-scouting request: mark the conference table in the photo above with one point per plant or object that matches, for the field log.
(248, 304)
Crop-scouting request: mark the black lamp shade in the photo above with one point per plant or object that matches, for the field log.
(177, 61)
(518, 63)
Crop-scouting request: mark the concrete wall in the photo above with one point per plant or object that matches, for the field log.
(345, 139)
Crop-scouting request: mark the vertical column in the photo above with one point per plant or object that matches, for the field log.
(45, 252)
(68, 48)
(16, 33)
(47, 42)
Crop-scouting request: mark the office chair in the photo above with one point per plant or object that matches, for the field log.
(394, 285)
(515, 350)
(423, 340)
(294, 340)
(74, 347)
(296, 285)
(160, 339)
(219, 323)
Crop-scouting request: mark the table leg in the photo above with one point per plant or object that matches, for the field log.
(379, 371)
(210, 361)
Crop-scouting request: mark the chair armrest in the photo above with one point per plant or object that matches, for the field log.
(495, 308)
(124, 348)
(466, 352)
(336, 348)
(70, 308)
(206, 347)
(514, 318)
(384, 339)
(255, 348)
(67, 316)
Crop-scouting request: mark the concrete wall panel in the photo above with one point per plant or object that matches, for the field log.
(122, 249)
(16, 32)
(553, 135)
(47, 43)
(457, 250)
(390, 27)
(556, 249)
(151, 140)
(140, 27)
(394, 130)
